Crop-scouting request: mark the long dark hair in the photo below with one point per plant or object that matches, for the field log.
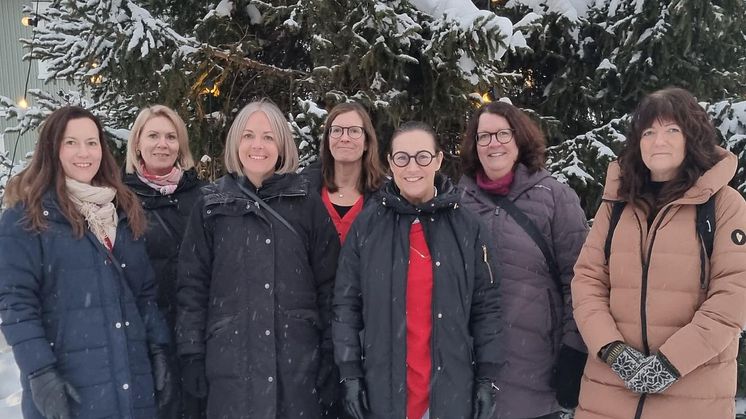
(45, 172)
(527, 136)
(372, 172)
(700, 141)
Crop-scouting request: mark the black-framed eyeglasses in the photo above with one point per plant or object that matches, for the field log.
(502, 136)
(423, 158)
(354, 131)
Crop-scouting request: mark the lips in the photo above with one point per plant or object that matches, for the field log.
(83, 165)
(257, 157)
(413, 178)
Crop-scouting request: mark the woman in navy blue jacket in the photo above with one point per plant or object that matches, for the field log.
(77, 294)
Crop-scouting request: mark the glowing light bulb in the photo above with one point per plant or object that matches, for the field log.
(23, 103)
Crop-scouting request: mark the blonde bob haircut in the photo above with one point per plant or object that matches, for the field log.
(184, 159)
(287, 159)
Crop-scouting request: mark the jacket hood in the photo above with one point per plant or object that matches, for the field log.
(710, 182)
(522, 182)
(447, 197)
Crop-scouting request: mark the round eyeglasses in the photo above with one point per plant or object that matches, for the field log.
(502, 136)
(354, 132)
(423, 158)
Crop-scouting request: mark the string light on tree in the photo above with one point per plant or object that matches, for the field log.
(28, 21)
(23, 103)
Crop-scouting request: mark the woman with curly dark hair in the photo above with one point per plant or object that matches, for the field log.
(660, 306)
(537, 226)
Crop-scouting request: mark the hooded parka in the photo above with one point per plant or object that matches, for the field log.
(167, 218)
(537, 317)
(68, 302)
(369, 325)
(254, 297)
(650, 296)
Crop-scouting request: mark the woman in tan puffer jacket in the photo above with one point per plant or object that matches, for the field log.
(663, 338)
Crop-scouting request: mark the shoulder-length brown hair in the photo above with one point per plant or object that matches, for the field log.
(700, 142)
(526, 134)
(45, 172)
(372, 172)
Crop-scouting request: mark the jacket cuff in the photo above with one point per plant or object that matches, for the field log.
(487, 370)
(350, 369)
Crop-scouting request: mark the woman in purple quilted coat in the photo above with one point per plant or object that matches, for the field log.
(503, 161)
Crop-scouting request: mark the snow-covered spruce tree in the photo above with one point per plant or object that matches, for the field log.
(420, 59)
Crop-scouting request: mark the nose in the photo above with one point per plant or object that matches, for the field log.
(161, 141)
(84, 150)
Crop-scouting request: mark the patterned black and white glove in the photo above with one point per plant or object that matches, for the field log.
(624, 360)
(655, 375)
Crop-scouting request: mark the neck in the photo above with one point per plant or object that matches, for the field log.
(256, 180)
(493, 175)
(159, 172)
(347, 174)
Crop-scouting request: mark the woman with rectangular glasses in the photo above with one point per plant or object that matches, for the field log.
(503, 160)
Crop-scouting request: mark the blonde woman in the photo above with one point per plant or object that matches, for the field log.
(256, 272)
(160, 171)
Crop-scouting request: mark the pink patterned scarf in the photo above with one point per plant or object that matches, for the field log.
(165, 184)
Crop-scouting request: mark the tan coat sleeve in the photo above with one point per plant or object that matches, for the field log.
(590, 288)
(722, 315)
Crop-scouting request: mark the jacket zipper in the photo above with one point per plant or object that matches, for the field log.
(644, 293)
(484, 258)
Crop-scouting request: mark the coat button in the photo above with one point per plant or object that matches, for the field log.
(270, 379)
(46, 213)
(209, 211)
(440, 315)
(267, 332)
(118, 325)
(437, 263)
(124, 265)
(266, 286)
(268, 241)
(126, 324)
(125, 386)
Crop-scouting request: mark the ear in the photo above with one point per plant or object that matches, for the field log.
(438, 160)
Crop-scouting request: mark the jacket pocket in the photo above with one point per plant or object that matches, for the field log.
(218, 326)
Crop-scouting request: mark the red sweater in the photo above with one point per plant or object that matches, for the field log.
(419, 323)
(342, 224)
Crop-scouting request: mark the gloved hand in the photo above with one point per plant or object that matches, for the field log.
(327, 380)
(164, 385)
(655, 375)
(193, 378)
(51, 394)
(355, 397)
(485, 394)
(566, 376)
(624, 360)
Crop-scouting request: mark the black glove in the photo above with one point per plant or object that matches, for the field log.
(193, 378)
(654, 375)
(161, 375)
(566, 376)
(51, 394)
(485, 394)
(327, 380)
(356, 399)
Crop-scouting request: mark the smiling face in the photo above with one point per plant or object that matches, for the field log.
(663, 148)
(80, 150)
(497, 159)
(346, 149)
(158, 145)
(416, 183)
(257, 150)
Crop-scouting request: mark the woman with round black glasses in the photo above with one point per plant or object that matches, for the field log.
(503, 161)
(416, 318)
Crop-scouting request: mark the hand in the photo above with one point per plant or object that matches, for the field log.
(655, 375)
(355, 397)
(193, 378)
(624, 360)
(161, 375)
(485, 393)
(51, 394)
(327, 380)
(567, 374)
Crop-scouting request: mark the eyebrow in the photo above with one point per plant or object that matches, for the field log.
(156, 131)
(265, 132)
(76, 138)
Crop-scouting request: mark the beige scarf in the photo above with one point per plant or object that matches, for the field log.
(95, 204)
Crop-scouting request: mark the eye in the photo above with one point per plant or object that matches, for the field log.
(93, 143)
(171, 138)
(69, 142)
(648, 132)
(268, 138)
(247, 136)
(673, 130)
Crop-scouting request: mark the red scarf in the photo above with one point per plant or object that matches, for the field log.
(495, 187)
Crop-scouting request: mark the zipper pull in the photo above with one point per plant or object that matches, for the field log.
(484, 258)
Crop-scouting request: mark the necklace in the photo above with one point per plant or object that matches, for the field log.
(418, 252)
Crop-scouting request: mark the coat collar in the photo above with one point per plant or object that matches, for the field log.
(522, 182)
(707, 185)
(447, 198)
(288, 184)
